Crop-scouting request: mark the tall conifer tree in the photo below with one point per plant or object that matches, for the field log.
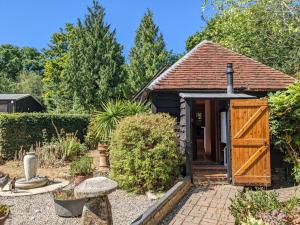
(95, 67)
(148, 55)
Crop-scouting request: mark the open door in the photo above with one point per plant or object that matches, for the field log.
(250, 142)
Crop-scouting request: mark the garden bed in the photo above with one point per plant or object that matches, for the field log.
(15, 169)
(39, 209)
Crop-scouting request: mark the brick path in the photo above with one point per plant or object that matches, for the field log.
(209, 206)
(285, 194)
(204, 206)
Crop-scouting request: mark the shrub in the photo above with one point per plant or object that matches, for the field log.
(251, 203)
(104, 122)
(27, 129)
(70, 147)
(256, 206)
(83, 166)
(285, 124)
(144, 153)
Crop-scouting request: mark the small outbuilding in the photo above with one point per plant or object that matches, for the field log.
(11, 103)
(216, 96)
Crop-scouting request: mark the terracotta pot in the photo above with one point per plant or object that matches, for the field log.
(3, 218)
(103, 158)
(79, 178)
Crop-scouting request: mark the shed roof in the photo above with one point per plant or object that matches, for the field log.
(13, 96)
(204, 68)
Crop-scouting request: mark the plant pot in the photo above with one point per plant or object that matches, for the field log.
(3, 218)
(69, 208)
(79, 178)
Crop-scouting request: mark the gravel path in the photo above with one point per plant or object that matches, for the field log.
(39, 209)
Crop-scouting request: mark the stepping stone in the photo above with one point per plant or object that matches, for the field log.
(97, 209)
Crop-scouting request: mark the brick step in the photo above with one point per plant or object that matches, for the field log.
(216, 178)
(221, 169)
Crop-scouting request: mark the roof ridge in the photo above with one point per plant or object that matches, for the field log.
(177, 63)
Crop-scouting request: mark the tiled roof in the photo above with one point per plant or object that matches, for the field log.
(204, 68)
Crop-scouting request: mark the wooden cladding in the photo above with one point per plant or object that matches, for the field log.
(250, 142)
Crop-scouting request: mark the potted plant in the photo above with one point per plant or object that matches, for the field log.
(66, 204)
(4, 212)
(82, 169)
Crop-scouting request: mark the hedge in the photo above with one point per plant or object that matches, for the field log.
(26, 129)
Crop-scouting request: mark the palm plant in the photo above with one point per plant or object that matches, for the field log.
(103, 123)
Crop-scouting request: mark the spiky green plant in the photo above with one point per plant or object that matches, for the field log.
(103, 123)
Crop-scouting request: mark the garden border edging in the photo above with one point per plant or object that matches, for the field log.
(155, 213)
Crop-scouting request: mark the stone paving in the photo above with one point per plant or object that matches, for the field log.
(286, 193)
(209, 205)
(204, 206)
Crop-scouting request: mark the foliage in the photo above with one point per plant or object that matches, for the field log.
(83, 166)
(14, 60)
(148, 54)
(144, 153)
(252, 221)
(7, 85)
(56, 59)
(251, 203)
(27, 129)
(256, 207)
(285, 124)
(71, 147)
(86, 65)
(49, 154)
(64, 194)
(61, 148)
(266, 30)
(30, 83)
(103, 123)
(4, 209)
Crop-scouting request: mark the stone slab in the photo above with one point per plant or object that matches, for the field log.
(95, 187)
(54, 185)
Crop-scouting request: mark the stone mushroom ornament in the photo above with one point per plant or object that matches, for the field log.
(97, 208)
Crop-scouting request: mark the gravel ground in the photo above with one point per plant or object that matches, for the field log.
(39, 209)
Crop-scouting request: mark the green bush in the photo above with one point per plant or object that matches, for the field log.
(250, 203)
(144, 153)
(70, 147)
(285, 124)
(103, 123)
(27, 129)
(83, 166)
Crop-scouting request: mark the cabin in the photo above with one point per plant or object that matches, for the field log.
(217, 97)
(12, 103)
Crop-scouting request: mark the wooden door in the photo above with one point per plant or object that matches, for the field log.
(250, 142)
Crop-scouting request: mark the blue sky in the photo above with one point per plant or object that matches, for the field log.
(31, 22)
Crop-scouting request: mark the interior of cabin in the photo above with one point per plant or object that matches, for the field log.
(209, 131)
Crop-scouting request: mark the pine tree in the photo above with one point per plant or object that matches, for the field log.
(148, 55)
(95, 66)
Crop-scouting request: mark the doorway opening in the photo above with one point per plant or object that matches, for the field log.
(209, 131)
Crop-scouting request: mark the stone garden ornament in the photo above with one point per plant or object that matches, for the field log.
(31, 180)
(97, 208)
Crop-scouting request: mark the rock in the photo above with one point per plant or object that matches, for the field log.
(95, 187)
(97, 209)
